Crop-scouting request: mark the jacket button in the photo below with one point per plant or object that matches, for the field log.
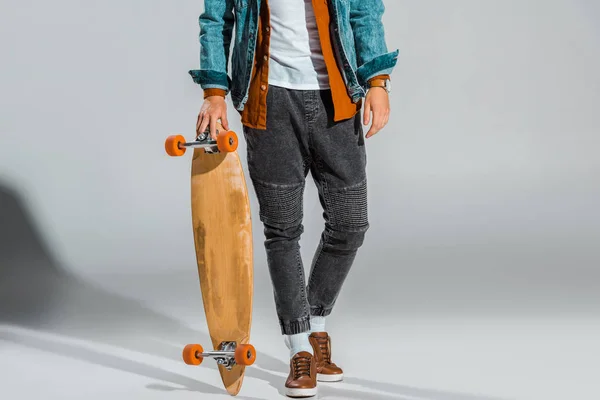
(267, 29)
(265, 58)
(262, 87)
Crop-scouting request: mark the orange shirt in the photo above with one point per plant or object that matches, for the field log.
(255, 110)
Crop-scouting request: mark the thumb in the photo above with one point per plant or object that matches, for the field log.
(367, 112)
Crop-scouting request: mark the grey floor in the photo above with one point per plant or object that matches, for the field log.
(120, 335)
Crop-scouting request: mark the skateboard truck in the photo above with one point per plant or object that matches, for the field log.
(228, 355)
(226, 142)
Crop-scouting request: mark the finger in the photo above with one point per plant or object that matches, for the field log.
(213, 126)
(378, 120)
(384, 114)
(367, 113)
(204, 123)
(384, 118)
(199, 121)
(377, 124)
(374, 129)
(224, 121)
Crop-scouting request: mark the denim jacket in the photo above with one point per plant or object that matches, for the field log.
(356, 30)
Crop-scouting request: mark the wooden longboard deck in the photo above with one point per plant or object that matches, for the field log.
(223, 240)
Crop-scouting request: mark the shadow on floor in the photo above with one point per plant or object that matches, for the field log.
(39, 295)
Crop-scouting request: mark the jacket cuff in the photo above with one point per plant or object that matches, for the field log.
(380, 65)
(209, 79)
(214, 92)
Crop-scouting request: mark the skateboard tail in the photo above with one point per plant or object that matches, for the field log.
(232, 380)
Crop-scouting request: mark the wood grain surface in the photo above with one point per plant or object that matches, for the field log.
(223, 239)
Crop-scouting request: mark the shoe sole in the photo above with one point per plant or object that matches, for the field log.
(296, 393)
(330, 378)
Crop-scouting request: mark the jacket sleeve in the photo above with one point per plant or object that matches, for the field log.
(216, 27)
(372, 55)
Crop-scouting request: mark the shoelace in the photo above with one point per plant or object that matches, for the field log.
(301, 367)
(324, 348)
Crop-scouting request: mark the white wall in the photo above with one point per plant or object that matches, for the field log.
(490, 159)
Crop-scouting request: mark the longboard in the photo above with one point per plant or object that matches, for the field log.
(222, 228)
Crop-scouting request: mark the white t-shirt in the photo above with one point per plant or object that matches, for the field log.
(296, 59)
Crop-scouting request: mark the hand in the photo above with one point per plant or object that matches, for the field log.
(213, 109)
(378, 102)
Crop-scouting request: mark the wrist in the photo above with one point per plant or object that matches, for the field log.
(214, 98)
(380, 82)
(377, 89)
(214, 92)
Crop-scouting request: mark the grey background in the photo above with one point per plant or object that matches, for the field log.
(484, 188)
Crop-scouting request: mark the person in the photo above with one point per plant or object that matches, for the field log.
(301, 71)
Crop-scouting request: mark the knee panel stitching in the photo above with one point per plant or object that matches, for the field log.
(348, 206)
(280, 203)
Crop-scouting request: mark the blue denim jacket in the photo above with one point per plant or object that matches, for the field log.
(357, 36)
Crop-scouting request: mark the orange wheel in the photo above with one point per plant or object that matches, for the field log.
(245, 354)
(227, 142)
(172, 145)
(191, 354)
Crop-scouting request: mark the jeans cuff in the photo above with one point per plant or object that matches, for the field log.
(296, 326)
(320, 311)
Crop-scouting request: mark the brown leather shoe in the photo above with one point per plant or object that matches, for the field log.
(327, 371)
(302, 380)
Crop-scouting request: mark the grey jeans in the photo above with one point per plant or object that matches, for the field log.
(301, 136)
